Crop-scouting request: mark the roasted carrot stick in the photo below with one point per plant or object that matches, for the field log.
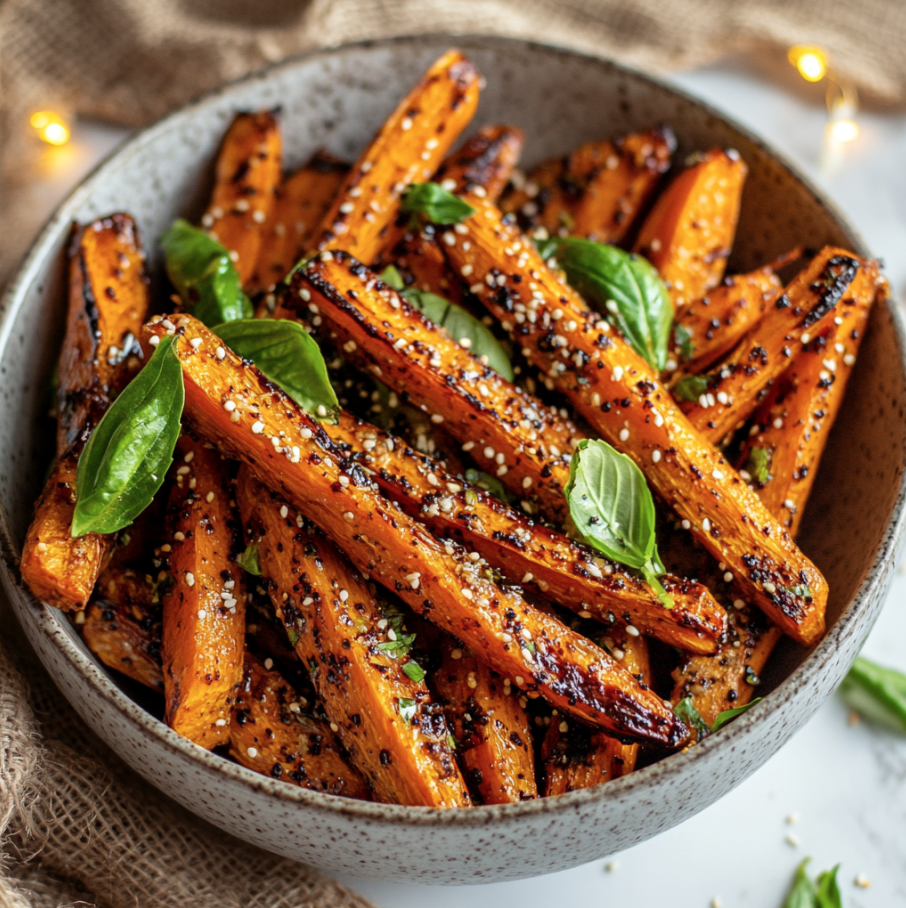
(707, 328)
(230, 401)
(574, 755)
(596, 191)
(246, 176)
(108, 300)
(270, 733)
(804, 308)
(490, 725)
(300, 203)
(620, 396)
(689, 232)
(385, 718)
(510, 434)
(527, 554)
(204, 606)
(408, 149)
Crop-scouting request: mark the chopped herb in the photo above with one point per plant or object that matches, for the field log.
(729, 714)
(758, 464)
(435, 204)
(691, 388)
(415, 672)
(293, 635)
(877, 693)
(407, 709)
(490, 484)
(751, 677)
(682, 337)
(398, 647)
(801, 590)
(451, 741)
(687, 712)
(249, 560)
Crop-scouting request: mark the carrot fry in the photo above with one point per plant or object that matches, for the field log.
(509, 433)
(806, 307)
(290, 453)
(689, 232)
(246, 176)
(204, 607)
(596, 191)
(527, 554)
(408, 149)
(300, 203)
(490, 725)
(394, 734)
(619, 395)
(108, 300)
(271, 735)
(576, 757)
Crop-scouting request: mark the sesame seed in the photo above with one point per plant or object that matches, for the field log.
(347, 208)
(305, 294)
(252, 752)
(728, 577)
(789, 504)
(406, 124)
(862, 881)
(257, 427)
(632, 630)
(792, 840)
(190, 579)
(489, 452)
(154, 340)
(209, 497)
(202, 614)
(770, 587)
(717, 474)
(849, 359)
(612, 866)
(656, 456)
(686, 525)
(617, 373)
(456, 654)
(349, 515)
(624, 434)
(706, 525)
(449, 185)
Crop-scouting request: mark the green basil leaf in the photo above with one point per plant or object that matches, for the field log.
(490, 484)
(803, 894)
(682, 337)
(547, 248)
(249, 561)
(802, 590)
(829, 895)
(203, 275)
(127, 457)
(435, 204)
(293, 635)
(758, 464)
(288, 355)
(685, 710)
(407, 709)
(624, 286)
(877, 693)
(393, 279)
(691, 388)
(613, 511)
(414, 671)
(729, 714)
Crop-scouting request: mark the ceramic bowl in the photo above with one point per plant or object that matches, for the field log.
(336, 99)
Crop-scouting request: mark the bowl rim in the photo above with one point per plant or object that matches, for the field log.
(47, 620)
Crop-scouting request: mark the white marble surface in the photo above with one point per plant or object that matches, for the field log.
(846, 784)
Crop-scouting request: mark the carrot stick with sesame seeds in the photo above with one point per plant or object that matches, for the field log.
(108, 301)
(689, 233)
(372, 693)
(408, 149)
(270, 734)
(596, 191)
(490, 723)
(731, 392)
(621, 398)
(246, 176)
(204, 603)
(229, 401)
(528, 554)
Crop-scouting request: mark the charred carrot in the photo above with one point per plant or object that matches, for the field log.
(246, 175)
(230, 401)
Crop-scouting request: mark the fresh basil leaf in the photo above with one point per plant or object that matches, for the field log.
(624, 286)
(407, 708)
(435, 204)
(758, 464)
(829, 895)
(293, 635)
(393, 279)
(547, 248)
(691, 388)
(490, 484)
(288, 355)
(729, 714)
(127, 457)
(249, 560)
(203, 275)
(414, 671)
(682, 337)
(877, 693)
(613, 511)
(803, 894)
(685, 710)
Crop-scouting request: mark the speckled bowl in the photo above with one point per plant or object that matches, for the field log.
(337, 98)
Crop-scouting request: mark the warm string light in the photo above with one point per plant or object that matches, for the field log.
(50, 127)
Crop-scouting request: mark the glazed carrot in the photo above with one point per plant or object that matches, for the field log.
(290, 452)
(596, 191)
(805, 307)
(300, 203)
(527, 554)
(108, 300)
(270, 734)
(575, 756)
(408, 149)
(510, 434)
(707, 328)
(204, 607)
(246, 175)
(394, 734)
(689, 232)
(490, 725)
(620, 397)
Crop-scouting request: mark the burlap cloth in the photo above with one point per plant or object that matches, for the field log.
(76, 824)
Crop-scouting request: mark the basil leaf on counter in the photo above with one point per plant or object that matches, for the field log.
(758, 464)
(823, 893)
(203, 275)
(249, 560)
(690, 388)
(127, 456)
(877, 693)
(685, 711)
(612, 509)
(435, 204)
(288, 355)
(729, 714)
(456, 321)
(624, 286)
